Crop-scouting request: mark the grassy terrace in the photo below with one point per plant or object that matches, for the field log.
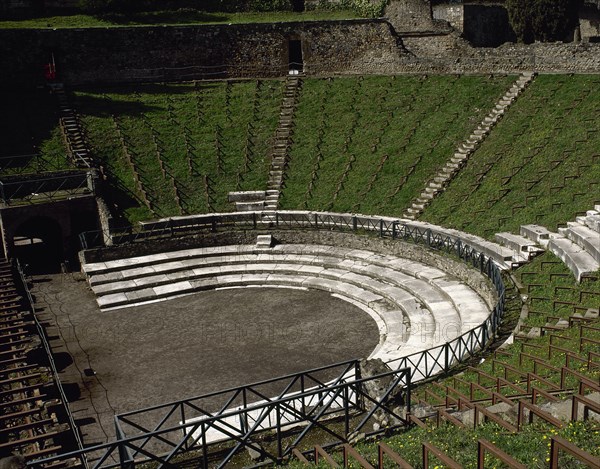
(368, 144)
(171, 17)
(31, 137)
(179, 149)
(541, 163)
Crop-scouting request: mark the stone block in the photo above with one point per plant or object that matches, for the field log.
(538, 234)
(585, 237)
(576, 258)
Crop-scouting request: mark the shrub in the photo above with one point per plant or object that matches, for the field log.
(543, 20)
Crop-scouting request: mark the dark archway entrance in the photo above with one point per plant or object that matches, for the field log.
(38, 243)
(295, 56)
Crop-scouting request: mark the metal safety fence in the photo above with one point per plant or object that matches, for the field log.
(34, 189)
(163, 434)
(238, 425)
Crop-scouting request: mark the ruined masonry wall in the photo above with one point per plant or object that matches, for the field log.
(175, 53)
(104, 55)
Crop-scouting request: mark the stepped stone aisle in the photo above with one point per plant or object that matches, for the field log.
(577, 245)
(30, 406)
(465, 149)
(283, 135)
(72, 130)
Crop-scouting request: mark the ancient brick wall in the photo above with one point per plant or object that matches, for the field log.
(450, 54)
(410, 15)
(589, 23)
(189, 52)
(105, 55)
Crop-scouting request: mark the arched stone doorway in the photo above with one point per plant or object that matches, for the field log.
(38, 244)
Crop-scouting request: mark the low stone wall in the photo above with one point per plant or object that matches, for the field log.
(104, 55)
(450, 54)
(180, 53)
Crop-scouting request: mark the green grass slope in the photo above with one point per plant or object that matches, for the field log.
(183, 16)
(540, 164)
(179, 149)
(369, 144)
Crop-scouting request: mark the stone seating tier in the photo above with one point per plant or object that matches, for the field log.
(415, 306)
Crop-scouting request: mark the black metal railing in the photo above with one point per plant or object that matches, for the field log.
(33, 163)
(420, 365)
(306, 400)
(29, 190)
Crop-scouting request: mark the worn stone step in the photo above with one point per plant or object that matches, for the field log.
(449, 170)
(520, 244)
(585, 237)
(536, 233)
(246, 196)
(579, 261)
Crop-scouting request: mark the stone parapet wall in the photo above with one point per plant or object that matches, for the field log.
(180, 53)
(104, 55)
(439, 55)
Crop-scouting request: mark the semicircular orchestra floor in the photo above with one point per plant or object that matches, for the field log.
(130, 358)
(416, 306)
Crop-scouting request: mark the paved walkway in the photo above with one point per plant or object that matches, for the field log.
(188, 346)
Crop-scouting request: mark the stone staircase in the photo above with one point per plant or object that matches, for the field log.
(247, 201)
(524, 248)
(577, 244)
(30, 406)
(72, 130)
(283, 138)
(466, 149)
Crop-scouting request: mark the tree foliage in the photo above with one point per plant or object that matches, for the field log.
(543, 20)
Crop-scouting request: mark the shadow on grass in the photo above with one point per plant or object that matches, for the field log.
(137, 89)
(28, 119)
(102, 106)
(181, 16)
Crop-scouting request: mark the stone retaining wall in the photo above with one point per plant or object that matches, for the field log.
(104, 55)
(175, 53)
(449, 54)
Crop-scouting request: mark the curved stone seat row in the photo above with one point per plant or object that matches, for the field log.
(416, 306)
